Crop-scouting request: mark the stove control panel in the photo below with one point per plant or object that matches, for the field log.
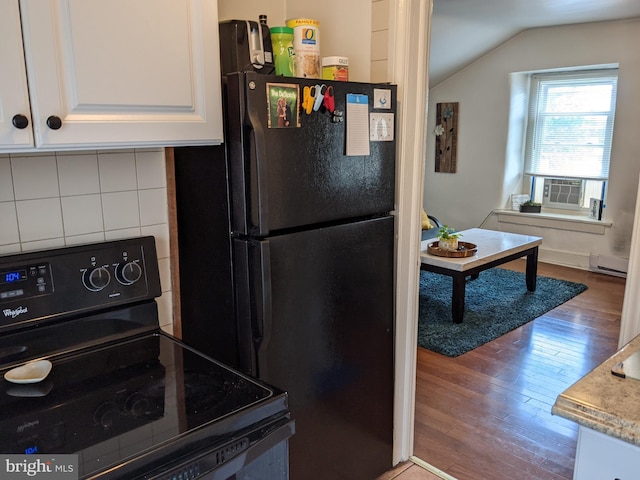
(82, 278)
(25, 280)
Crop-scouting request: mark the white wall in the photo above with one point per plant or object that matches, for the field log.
(252, 9)
(464, 199)
(345, 26)
(56, 199)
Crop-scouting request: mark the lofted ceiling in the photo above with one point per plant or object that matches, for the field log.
(464, 30)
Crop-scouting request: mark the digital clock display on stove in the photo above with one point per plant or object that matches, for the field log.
(13, 276)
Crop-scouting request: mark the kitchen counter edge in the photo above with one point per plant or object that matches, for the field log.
(604, 402)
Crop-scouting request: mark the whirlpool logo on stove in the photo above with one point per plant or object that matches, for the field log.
(14, 312)
(58, 467)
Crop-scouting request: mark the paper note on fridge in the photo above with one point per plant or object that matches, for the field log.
(381, 127)
(357, 124)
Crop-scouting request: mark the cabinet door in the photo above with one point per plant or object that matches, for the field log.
(14, 97)
(123, 72)
(601, 457)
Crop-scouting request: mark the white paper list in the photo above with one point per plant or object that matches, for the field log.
(357, 124)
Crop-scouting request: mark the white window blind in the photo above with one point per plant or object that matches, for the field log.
(570, 124)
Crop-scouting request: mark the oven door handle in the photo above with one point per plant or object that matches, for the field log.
(275, 439)
(215, 464)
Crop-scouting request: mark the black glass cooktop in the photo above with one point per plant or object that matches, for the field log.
(126, 400)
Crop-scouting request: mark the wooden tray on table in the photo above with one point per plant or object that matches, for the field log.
(465, 249)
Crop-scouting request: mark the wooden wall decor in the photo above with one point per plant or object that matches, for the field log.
(446, 137)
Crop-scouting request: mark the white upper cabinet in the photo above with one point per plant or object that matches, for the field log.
(14, 97)
(105, 74)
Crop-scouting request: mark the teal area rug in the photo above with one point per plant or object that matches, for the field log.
(495, 303)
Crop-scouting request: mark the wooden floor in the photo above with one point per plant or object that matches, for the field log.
(409, 471)
(486, 414)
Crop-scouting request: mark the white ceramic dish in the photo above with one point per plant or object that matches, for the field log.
(32, 372)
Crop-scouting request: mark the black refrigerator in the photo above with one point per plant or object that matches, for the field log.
(286, 248)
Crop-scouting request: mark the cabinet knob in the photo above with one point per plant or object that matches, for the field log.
(54, 122)
(20, 121)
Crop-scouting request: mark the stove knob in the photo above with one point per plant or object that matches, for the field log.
(128, 273)
(96, 279)
(137, 405)
(106, 414)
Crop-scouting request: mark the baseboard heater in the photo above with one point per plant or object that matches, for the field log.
(609, 264)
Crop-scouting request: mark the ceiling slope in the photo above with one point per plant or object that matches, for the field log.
(464, 30)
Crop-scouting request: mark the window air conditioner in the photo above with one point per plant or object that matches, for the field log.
(563, 193)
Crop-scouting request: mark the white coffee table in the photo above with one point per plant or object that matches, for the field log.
(494, 248)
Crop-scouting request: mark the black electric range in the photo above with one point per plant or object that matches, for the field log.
(129, 400)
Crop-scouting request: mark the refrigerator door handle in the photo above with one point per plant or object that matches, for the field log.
(258, 185)
(263, 307)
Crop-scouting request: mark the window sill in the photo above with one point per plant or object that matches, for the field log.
(559, 221)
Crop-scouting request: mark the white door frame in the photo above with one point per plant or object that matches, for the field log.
(409, 25)
(630, 320)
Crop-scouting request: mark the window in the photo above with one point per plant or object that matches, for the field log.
(569, 132)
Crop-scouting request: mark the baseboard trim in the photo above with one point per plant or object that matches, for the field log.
(430, 468)
(567, 259)
(574, 260)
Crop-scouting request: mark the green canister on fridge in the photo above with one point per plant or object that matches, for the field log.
(283, 52)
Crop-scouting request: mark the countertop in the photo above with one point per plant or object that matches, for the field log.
(604, 402)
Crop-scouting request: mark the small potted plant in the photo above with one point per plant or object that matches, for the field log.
(448, 238)
(530, 207)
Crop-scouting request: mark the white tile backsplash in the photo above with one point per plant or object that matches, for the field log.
(39, 219)
(165, 273)
(165, 307)
(120, 210)
(117, 171)
(86, 238)
(161, 233)
(82, 214)
(68, 198)
(34, 177)
(151, 169)
(6, 184)
(153, 208)
(43, 244)
(78, 174)
(8, 224)
(124, 233)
